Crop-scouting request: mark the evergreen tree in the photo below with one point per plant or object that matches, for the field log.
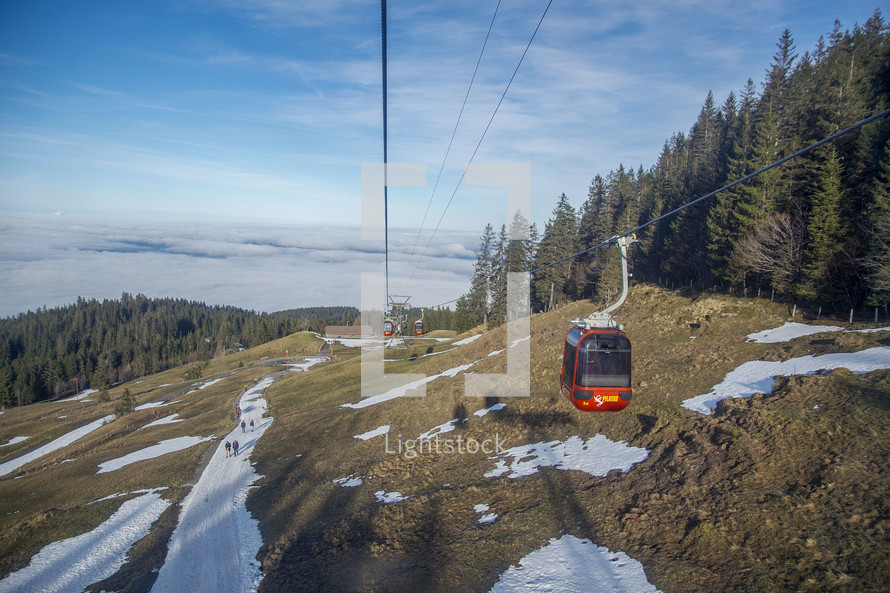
(553, 284)
(478, 300)
(828, 230)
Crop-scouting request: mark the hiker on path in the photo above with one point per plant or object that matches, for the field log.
(235, 448)
(228, 448)
(251, 425)
(243, 425)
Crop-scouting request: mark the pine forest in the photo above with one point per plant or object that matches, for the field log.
(813, 232)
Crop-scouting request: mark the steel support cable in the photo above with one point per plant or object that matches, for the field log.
(478, 144)
(781, 161)
(450, 142)
(385, 172)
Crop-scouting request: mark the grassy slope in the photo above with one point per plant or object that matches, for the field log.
(48, 500)
(767, 494)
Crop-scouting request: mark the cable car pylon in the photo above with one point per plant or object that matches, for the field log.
(596, 362)
(396, 322)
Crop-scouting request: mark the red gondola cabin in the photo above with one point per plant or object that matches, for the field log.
(387, 328)
(418, 328)
(596, 369)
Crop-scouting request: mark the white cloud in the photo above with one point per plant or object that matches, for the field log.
(52, 260)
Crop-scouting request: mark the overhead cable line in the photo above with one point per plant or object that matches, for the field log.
(781, 161)
(385, 172)
(478, 144)
(450, 142)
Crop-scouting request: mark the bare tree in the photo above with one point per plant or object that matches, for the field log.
(878, 263)
(775, 250)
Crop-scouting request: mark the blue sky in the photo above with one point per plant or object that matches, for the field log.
(235, 114)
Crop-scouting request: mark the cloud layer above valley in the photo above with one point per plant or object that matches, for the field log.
(51, 260)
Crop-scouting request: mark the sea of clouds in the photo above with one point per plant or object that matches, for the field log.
(50, 260)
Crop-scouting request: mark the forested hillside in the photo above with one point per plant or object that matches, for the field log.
(51, 352)
(814, 230)
(317, 318)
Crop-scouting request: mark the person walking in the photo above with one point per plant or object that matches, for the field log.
(251, 425)
(228, 448)
(235, 448)
(243, 426)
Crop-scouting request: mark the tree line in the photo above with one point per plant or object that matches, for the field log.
(816, 230)
(52, 352)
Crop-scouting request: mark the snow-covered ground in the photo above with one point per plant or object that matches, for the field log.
(403, 390)
(80, 396)
(305, 364)
(214, 546)
(792, 330)
(62, 441)
(73, 564)
(162, 448)
(467, 340)
(14, 441)
(574, 565)
(360, 342)
(206, 384)
(441, 429)
(350, 481)
(379, 431)
(596, 456)
(493, 408)
(151, 405)
(171, 419)
(486, 517)
(757, 376)
(389, 497)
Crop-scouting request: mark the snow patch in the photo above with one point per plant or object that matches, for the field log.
(402, 390)
(790, 331)
(571, 564)
(171, 419)
(304, 365)
(75, 563)
(596, 456)
(437, 430)
(480, 508)
(162, 448)
(360, 342)
(80, 396)
(151, 405)
(437, 353)
(350, 481)
(379, 431)
(467, 340)
(62, 441)
(14, 441)
(493, 408)
(757, 376)
(489, 518)
(389, 497)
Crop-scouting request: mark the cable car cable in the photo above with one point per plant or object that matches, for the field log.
(385, 196)
(781, 161)
(450, 142)
(478, 144)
